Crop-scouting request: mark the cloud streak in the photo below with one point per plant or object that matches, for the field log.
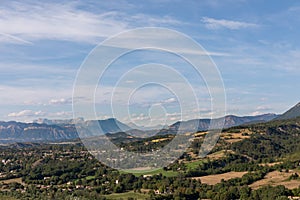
(212, 23)
(13, 39)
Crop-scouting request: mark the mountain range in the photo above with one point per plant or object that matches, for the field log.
(59, 130)
(33, 132)
(204, 124)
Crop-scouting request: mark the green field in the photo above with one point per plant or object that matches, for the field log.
(152, 172)
(127, 195)
(194, 164)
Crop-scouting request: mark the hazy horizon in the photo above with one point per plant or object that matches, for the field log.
(38, 120)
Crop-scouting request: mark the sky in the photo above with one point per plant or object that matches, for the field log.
(254, 44)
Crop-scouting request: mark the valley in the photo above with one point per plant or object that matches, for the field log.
(256, 160)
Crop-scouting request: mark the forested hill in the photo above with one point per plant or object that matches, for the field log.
(277, 138)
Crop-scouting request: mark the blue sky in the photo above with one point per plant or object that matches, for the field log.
(255, 45)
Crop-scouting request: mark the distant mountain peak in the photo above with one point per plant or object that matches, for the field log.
(291, 113)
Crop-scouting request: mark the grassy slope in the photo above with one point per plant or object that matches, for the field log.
(152, 172)
(127, 195)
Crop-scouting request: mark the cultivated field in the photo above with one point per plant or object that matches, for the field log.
(277, 178)
(219, 154)
(232, 137)
(13, 180)
(214, 179)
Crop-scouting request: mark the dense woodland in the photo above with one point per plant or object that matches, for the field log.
(69, 171)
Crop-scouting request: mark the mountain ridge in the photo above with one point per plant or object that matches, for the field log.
(290, 113)
(34, 132)
(228, 120)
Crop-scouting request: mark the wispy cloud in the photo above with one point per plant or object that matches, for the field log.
(289, 61)
(27, 113)
(61, 101)
(26, 22)
(170, 100)
(61, 114)
(155, 20)
(36, 21)
(263, 108)
(212, 23)
(32, 96)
